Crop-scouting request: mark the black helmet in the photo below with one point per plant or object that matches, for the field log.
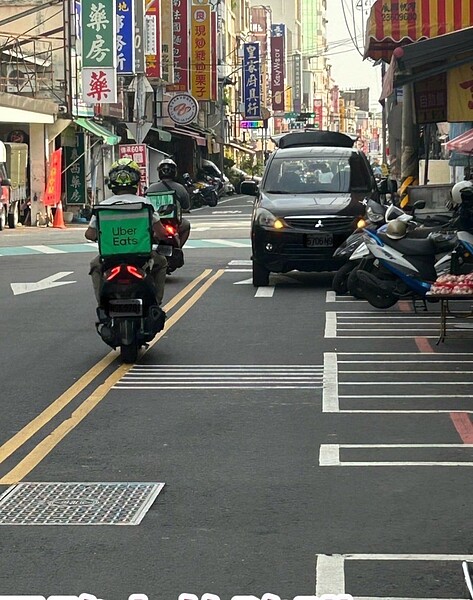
(167, 169)
(124, 173)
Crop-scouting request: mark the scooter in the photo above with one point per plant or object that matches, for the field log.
(402, 268)
(377, 216)
(170, 213)
(128, 316)
(201, 193)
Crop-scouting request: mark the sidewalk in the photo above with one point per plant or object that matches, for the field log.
(22, 236)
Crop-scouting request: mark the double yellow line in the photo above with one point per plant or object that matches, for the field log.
(43, 448)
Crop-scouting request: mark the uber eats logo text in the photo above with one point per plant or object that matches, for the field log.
(124, 236)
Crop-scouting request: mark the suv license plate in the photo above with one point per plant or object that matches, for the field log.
(319, 240)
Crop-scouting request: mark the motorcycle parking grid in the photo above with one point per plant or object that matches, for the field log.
(362, 384)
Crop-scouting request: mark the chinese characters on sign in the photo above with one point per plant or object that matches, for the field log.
(52, 195)
(201, 54)
(399, 11)
(251, 81)
(297, 83)
(153, 40)
(125, 37)
(138, 153)
(180, 46)
(99, 51)
(431, 99)
(277, 66)
(75, 173)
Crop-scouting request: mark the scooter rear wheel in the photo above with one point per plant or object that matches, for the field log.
(354, 286)
(129, 352)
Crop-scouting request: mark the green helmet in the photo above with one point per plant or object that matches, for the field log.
(124, 173)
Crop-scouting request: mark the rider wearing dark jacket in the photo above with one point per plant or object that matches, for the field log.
(167, 171)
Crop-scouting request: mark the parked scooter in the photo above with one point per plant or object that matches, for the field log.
(377, 216)
(201, 193)
(401, 267)
(128, 316)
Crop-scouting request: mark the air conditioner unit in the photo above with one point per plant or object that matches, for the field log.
(20, 81)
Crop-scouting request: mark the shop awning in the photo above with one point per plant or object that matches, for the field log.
(393, 23)
(164, 136)
(201, 141)
(426, 58)
(21, 109)
(463, 144)
(98, 130)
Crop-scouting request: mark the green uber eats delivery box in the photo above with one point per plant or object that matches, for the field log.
(165, 204)
(124, 229)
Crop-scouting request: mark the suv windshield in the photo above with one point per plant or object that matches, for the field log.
(300, 175)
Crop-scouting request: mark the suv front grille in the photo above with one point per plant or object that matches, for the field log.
(332, 224)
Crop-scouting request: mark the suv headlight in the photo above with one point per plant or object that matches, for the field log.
(265, 218)
(373, 215)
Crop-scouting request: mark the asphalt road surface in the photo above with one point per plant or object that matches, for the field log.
(279, 440)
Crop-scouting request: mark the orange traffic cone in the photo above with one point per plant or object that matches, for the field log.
(59, 217)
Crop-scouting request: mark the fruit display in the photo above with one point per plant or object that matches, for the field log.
(453, 285)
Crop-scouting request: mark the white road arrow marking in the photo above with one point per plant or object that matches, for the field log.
(43, 284)
(244, 282)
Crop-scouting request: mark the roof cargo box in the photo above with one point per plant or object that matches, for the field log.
(315, 138)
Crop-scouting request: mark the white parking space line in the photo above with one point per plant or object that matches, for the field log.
(330, 388)
(387, 325)
(330, 571)
(265, 292)
(329, 455)
(46, 249)
(352, 381)
(240, 263)
(331, 296)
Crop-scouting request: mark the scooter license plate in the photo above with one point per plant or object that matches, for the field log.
(165, 250)
(319, 240)
(125, 308)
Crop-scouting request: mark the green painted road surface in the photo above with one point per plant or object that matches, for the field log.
(89, 247)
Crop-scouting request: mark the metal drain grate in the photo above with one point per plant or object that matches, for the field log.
(77, 503)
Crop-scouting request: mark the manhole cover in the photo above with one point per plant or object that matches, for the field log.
(77, 503)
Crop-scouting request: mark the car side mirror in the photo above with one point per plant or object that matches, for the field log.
(249, 188)
(6, 182)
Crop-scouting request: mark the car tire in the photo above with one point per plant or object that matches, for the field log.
(260, 275)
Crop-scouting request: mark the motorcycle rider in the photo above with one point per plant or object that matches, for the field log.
(167, 171)
(124, 179)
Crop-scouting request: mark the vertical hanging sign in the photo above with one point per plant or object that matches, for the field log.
(125, 37)
(251, 81)
(277, 66)
(139, 36)
(99, 51)
(297, 83)
(201, 53)
(180, 46)
(152, 43)
(75, 173)
(213, 60)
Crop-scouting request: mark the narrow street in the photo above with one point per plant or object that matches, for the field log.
(289, 442)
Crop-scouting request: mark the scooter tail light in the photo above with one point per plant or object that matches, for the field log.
(135, 272)
(112, 273)
(170, 229)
